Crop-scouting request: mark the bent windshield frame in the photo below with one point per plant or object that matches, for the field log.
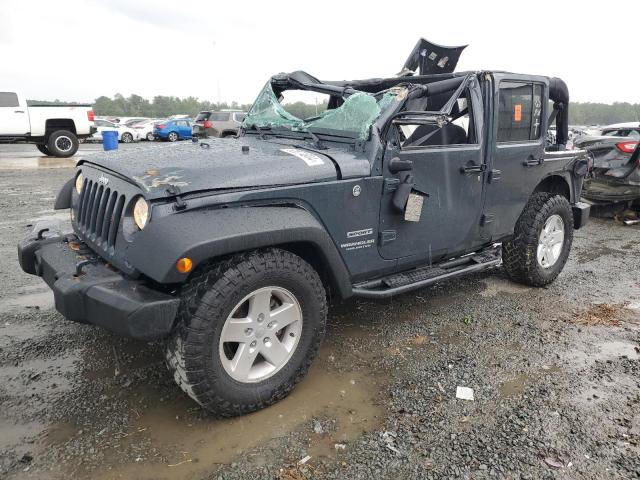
(353, 118)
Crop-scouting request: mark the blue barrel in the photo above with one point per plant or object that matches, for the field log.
(110, 140)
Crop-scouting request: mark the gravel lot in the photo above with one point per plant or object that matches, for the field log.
(555, 373)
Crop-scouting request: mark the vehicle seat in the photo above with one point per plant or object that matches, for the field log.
(449, 134)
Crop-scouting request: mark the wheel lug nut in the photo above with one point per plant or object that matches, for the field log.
(248, 331)
(261, 317)
(271, 324)
(253, 344)
(267, 340)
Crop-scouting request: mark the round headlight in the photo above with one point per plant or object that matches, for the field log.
(141, 213)
(79, 181)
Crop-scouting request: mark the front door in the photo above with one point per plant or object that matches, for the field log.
(448, 174)
(14, 117)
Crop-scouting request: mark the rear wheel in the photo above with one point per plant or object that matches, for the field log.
(173, 136)
(542, 240)
(43, 149)
(248, 331)
(62, 143)
(150, 137)
(127, 137)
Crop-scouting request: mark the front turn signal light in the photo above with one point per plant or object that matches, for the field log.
(184, 265)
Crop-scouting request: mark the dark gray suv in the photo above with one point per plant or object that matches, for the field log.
(228, 250)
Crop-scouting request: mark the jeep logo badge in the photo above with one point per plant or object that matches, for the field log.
(103, 180)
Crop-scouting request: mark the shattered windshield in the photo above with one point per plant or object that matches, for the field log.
(353, 118)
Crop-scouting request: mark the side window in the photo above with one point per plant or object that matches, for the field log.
(520, 112)
(459, 130)
(9, 99)
(219, 117)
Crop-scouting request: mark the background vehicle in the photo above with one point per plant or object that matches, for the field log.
(128, 122)
(125, 134)
(218, 124)
(229, 252)
(616, 164)
(54, 129)
(173, 130)
(145, 128)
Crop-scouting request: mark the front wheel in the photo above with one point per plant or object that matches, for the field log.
(542, 240)
(150, 137)
(62, 143)
(173, 136)
(127, 137)
(248, 330)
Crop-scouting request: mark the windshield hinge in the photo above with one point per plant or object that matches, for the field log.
(391, 184)
(180, 204)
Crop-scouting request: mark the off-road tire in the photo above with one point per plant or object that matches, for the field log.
(173, 137)
(43, 149)
(53, 147)
(206, 301)
(126, 137)
(519, 256)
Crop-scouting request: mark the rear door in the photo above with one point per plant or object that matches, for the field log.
(517, 158)
(14, 116)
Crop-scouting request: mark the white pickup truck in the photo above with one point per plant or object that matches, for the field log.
(55, 129)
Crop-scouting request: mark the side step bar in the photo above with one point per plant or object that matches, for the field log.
(406, 281)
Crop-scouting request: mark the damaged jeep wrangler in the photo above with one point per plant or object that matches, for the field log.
(229, 248)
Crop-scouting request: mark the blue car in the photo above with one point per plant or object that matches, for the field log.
(173, 130)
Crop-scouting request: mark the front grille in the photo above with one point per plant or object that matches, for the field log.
(99, 213)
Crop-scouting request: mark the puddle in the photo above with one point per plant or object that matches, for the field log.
(496, 285)
(605, 351)
(36, 162)
(40, 375)
(518, 385)
(37, 300)
(184, 447)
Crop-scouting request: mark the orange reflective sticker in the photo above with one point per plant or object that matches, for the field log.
(517, 112)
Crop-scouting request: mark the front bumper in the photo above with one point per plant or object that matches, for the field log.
(88, 290)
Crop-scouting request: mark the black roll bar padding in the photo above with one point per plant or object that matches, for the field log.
(559, 94)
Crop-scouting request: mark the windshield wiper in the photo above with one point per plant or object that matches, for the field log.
(317, 143)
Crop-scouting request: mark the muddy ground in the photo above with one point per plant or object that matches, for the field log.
(555, 374)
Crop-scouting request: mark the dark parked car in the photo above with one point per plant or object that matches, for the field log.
(229, 249)
(218, 124)
(173, 130)
(616, 165)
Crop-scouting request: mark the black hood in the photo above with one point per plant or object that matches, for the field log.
(227, 163)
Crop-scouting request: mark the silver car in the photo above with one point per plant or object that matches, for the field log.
(225, 123)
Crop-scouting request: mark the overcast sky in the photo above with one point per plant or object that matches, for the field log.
(81, 49)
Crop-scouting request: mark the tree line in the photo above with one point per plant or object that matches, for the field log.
(161, 106)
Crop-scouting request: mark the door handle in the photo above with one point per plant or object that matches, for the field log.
(18, 111)
(533, 162)
(473, 168)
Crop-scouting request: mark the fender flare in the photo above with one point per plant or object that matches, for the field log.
(205, 234)
(63, 199)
